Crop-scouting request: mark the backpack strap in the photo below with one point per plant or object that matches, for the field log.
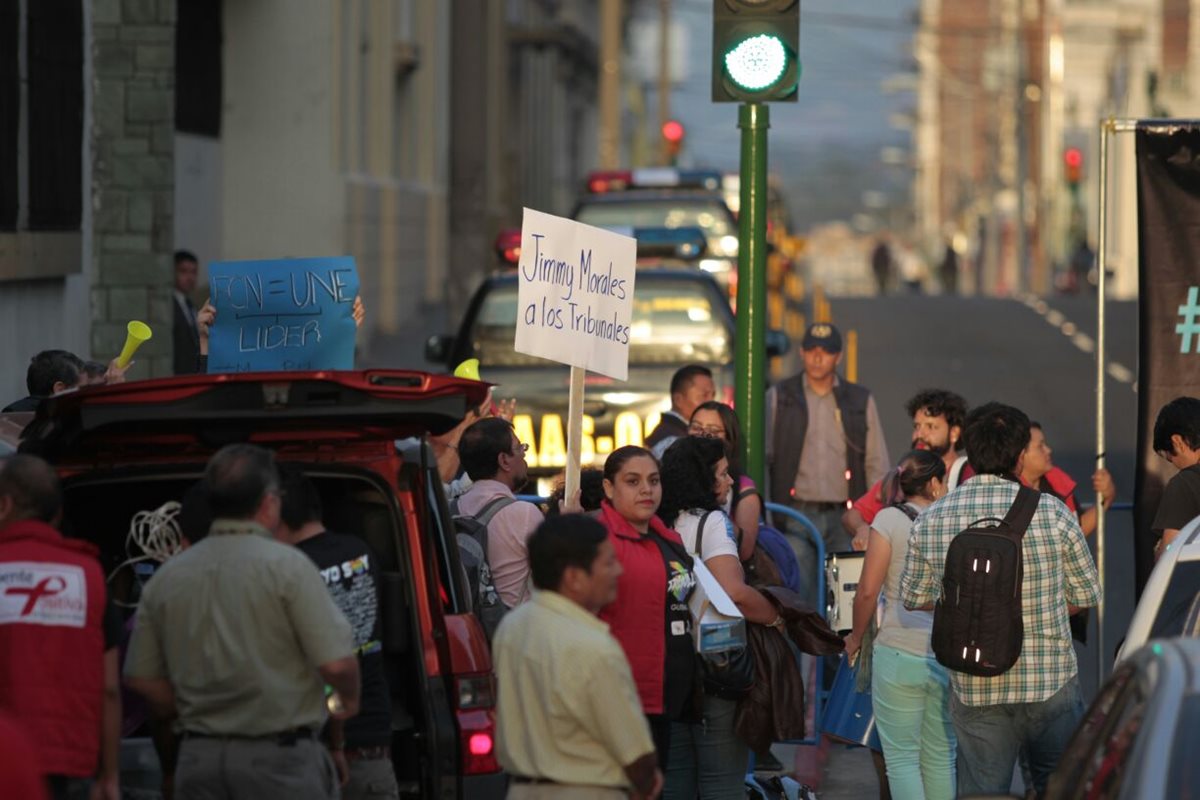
(1023, 508)
(700, 535)
(493, 507)
(908, 510)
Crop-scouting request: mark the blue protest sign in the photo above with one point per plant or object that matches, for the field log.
(285, 314)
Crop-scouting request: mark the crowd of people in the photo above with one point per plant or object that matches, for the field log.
(260, 666)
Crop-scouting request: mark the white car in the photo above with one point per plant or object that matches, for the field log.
(1171, 595)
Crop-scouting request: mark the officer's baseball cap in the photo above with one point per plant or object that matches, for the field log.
(822, 335)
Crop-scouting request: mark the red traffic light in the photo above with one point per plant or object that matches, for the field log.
(672, 131)
(1073, 160)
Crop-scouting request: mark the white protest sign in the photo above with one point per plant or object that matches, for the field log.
(575, 295)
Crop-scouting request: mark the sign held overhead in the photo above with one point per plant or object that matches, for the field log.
(285, 314)
(575, 295)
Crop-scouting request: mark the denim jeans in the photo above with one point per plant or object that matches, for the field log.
(707, 759)
(989, 738)
(909, 694)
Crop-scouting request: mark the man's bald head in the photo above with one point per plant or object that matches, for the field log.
(29, 489)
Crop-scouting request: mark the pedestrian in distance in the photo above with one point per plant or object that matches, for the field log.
(237, 639)
(1177, 440)
(59, 638)
(1035, 704)
(494, 459)
(825, 445)
(690, 386)
(361, 747)
(707, 759)
(938, 417)
(909, 688)
(650, 617)
(881, 265)
(569, 724)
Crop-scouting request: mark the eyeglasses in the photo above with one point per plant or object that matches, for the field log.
(710, 431)
(521, 450)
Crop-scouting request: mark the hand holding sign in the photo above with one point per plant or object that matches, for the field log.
(292, 314)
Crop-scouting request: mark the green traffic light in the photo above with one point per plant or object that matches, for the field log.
(757, 63)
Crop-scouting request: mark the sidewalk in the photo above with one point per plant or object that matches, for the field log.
(846, 773)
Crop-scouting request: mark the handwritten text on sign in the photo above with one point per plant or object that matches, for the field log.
(575, 294)
(288, 314)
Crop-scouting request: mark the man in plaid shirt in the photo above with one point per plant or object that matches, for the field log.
(1036, 705)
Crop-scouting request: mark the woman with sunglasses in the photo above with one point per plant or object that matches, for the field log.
(744, 506)
(650, 616)
(707, 759)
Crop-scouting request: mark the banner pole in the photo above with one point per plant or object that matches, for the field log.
(1106, 130)
(574, 431)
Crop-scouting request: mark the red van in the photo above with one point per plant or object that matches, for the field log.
(359, 435)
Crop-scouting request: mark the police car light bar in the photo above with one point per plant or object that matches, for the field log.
(653, 178)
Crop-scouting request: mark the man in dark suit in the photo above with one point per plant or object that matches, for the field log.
(690, 387)
(185, 336)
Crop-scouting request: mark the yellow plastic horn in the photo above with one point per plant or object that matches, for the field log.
(137, 334)
(468, 369)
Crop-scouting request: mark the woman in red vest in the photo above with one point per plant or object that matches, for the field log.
(650, 616)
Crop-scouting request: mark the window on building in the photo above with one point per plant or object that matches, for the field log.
(54, 47)
(41, 115)
(198, 67)
(10, 111)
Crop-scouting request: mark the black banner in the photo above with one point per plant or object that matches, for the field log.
(1168, 165)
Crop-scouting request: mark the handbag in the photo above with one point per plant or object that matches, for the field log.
(729, 674)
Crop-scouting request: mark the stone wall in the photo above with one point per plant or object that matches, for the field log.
(133, 177)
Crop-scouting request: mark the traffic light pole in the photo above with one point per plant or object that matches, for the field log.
(751, 355)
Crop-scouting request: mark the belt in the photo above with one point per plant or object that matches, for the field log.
(368, 753)
(534, 781)
(283, 738)
(819, 505)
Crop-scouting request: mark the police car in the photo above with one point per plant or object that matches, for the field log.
(667, 198)
(671, 198)
(680, 316)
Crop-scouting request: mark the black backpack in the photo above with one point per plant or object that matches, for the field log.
(977, 623)
(471, 534)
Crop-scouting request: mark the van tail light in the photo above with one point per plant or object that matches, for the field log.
(477, 741)
(475, 711)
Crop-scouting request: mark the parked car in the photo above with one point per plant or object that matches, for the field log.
(1170, 593)
(680, 316)
(132, 447)
(1134, 742)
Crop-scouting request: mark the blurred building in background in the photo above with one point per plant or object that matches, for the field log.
(406, 133)
(1008, 87)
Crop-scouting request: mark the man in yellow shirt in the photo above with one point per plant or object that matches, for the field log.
(569, 723)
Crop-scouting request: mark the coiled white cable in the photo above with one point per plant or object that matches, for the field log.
(156, 535)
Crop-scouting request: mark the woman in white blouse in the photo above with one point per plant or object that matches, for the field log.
(706, 759)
